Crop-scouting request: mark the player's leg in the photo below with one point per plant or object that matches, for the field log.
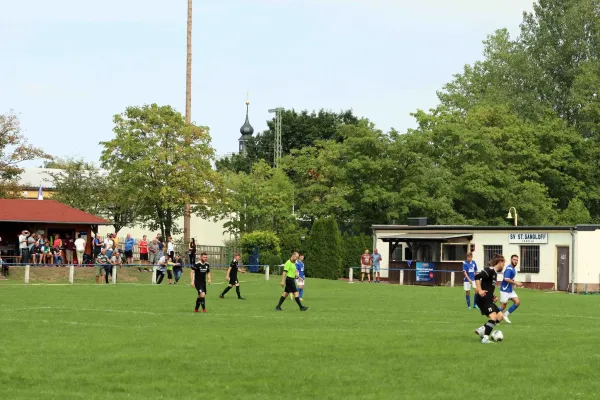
(516, 303)
(227, 289)
(203, 300)
(297, 297)
(467, 288)
(198, 299)
(301, 289)
(170, 276)
(495, 316)
(281, 300)
(237, 291)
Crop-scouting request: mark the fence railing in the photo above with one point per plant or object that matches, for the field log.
(409, 276)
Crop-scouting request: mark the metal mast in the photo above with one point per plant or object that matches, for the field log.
(278, 148)
(188, 108)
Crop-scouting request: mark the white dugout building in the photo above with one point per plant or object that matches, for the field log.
(563, 258)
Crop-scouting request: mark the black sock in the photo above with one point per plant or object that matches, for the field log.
(237, 290)
(281, 300)
(298, 301)
(203, 302)
(489, 326)
(227, 289)
(198, 301)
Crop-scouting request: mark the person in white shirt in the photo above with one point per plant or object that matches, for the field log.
(80, 249)
(161, 268)
(170, 248)
(108, 245)
(23, 247)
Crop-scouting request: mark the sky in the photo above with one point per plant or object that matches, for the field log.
(69, 65)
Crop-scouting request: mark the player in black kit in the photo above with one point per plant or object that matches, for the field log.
(232, 277)
(485, 281)
(200, 271)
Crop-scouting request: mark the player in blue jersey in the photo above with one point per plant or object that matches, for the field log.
(300, 275)
(469, 271)
(507, 291)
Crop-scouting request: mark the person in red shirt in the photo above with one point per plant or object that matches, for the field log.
(365, 265)
(143, 253)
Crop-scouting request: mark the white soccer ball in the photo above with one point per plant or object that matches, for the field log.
(497, 336)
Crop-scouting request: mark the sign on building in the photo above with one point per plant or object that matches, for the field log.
(528, 238)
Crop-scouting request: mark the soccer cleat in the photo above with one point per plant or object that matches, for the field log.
(196, 311)
(468, 308)
(486, 340)
(475, 306)
(278, 308)
(480, 331)
(303, 308)
(241, 298)
(204, 311)
(221, 296)
(506, 319)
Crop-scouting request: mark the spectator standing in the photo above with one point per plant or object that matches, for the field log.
(376, 257)
(365, 265)
(69, 248)
(4, 267)
(115, 240)
(154, 252)
(80, 249)
(101, 262)
(23, 249)
(143, 253)
(129, 242)
(98, 244)
(192, 251)
(30, 243)
(170, 248)
(109, 245)
(161, 246)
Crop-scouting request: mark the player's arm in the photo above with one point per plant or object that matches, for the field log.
(512, 281)
(192, 277)
(283, 278)
(209, 278)
(478, 284)
(227, 274)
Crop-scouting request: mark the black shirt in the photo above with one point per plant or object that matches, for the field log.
(488, 277)
(234, 270)
(200, 272)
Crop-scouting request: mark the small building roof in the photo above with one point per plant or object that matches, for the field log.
(476, 228)
(45, 211)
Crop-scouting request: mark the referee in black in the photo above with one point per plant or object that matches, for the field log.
(200, 271)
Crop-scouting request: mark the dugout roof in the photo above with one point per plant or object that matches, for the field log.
(416, 236)
(45, 211)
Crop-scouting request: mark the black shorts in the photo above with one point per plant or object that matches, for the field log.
(290, 285)
(143, 256)
(487, 307)
(128, 253)
(233, 280)
(169, 274)
(200, 288)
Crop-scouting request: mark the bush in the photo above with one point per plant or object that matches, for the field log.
(324, 250)
(267, 244)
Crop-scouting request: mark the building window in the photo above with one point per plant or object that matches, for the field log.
(397, 255)
(454, 252)
(530, 259)
(488, 253)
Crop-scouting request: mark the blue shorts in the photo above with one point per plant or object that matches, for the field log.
(376, 268)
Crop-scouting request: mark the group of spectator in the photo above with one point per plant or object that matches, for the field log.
(156, 254)
(40, 250)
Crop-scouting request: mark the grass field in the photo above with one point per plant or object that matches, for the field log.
(357, 341)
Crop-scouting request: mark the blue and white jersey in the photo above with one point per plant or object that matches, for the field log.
(300, 268)
(471, 269)
(509, 273)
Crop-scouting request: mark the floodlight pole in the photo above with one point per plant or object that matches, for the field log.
(188, 111)
(278, 147)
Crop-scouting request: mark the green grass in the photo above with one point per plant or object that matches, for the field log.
(357, 341)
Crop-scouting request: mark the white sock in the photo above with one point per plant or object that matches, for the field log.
(507, 313)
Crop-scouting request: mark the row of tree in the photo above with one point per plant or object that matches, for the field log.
(520, 128)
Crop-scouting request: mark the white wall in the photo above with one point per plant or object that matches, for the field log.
(205, 232)
(587, 263)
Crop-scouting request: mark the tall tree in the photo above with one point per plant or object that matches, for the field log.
(83, 186)
(14, 150)
(162, 162)
(260, 200)
(298, 130)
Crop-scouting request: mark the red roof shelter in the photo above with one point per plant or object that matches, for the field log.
(43, 217)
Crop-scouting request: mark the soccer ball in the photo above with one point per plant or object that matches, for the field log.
(497, 336)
